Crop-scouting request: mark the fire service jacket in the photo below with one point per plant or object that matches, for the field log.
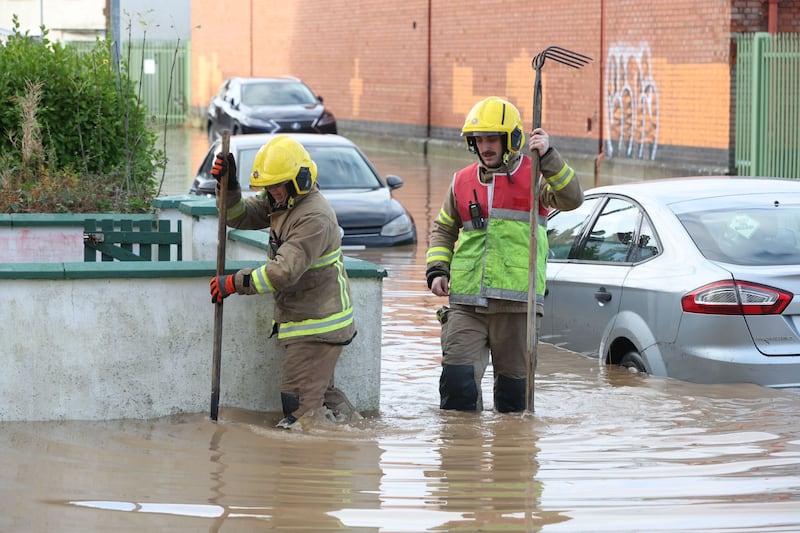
(488, 213)
(305, 269)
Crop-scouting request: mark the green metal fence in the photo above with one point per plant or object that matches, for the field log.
(160, 72)
(768, 105)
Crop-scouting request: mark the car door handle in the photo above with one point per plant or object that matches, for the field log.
(602, 295)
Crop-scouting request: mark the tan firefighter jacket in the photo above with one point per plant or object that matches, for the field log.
(305, 269)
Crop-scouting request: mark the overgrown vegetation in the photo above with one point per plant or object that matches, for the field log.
(74, 136)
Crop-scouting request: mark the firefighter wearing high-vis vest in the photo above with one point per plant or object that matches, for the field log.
(313, 313)
(487, 213)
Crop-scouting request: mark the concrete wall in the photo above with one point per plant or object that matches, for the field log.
(135, 339)
(140, 345)
(49, 238)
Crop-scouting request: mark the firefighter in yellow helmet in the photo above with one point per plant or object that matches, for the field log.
(304, 257)
(487, 211)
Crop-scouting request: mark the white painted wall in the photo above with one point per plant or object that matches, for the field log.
(74, 20)
(141, 347)
(65, 19)
(95, 349)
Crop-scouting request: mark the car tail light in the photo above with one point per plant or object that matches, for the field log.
(736, 298)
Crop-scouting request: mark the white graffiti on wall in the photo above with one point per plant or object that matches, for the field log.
(631, 103)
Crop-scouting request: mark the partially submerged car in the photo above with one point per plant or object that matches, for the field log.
(689, 278)
(366, 210)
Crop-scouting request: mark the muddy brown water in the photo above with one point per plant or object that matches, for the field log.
(604, 450)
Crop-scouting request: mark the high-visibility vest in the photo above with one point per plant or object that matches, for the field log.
(492, 261)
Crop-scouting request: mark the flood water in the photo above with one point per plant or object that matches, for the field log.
(604, 450)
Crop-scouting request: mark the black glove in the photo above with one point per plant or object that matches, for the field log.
(223, 165)
(433, 273)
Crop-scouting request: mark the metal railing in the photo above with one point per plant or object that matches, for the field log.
(768, 105)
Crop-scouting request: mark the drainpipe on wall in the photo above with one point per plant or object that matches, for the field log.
(601, 125)
(772, 17)
(430, 81)
(112, 12)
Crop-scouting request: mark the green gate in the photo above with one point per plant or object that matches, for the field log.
(131, 240)
(768, 105)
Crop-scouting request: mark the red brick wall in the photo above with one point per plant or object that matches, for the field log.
(370, 61)
(753, 15)
(789, 16)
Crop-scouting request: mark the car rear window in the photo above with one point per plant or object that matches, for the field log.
(743, 232)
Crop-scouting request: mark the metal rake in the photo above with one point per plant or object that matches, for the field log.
(574, 60)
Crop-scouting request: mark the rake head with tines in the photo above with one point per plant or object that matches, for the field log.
(559, 55)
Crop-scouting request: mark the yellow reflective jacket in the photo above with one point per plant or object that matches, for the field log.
(489, 266)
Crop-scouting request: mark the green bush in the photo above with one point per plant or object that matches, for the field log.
(74, 136)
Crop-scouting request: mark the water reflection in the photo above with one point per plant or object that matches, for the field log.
(606, 450)
(184, 149)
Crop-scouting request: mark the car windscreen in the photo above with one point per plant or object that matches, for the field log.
(338, 167)
(277, 93)
(754, 230)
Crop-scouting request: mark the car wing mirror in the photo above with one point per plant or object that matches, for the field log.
(320, 99)
(394, 182)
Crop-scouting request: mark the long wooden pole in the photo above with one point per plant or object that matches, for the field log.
(222, 236)
(534, 247)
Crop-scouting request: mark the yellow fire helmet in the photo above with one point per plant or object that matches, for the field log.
(284, 160)
(494, 116)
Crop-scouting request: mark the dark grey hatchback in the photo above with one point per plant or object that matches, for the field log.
(366, 210)
(267, 105)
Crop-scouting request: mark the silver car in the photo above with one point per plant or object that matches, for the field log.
(687, 278)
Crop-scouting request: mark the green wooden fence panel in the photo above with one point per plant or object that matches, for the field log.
(131, 240)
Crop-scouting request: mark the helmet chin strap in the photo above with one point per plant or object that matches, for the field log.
(288, 204)
(290, 201)
(505, 159)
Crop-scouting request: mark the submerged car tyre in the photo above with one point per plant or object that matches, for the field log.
(633, 361)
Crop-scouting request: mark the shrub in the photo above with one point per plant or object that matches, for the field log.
(74, 136)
